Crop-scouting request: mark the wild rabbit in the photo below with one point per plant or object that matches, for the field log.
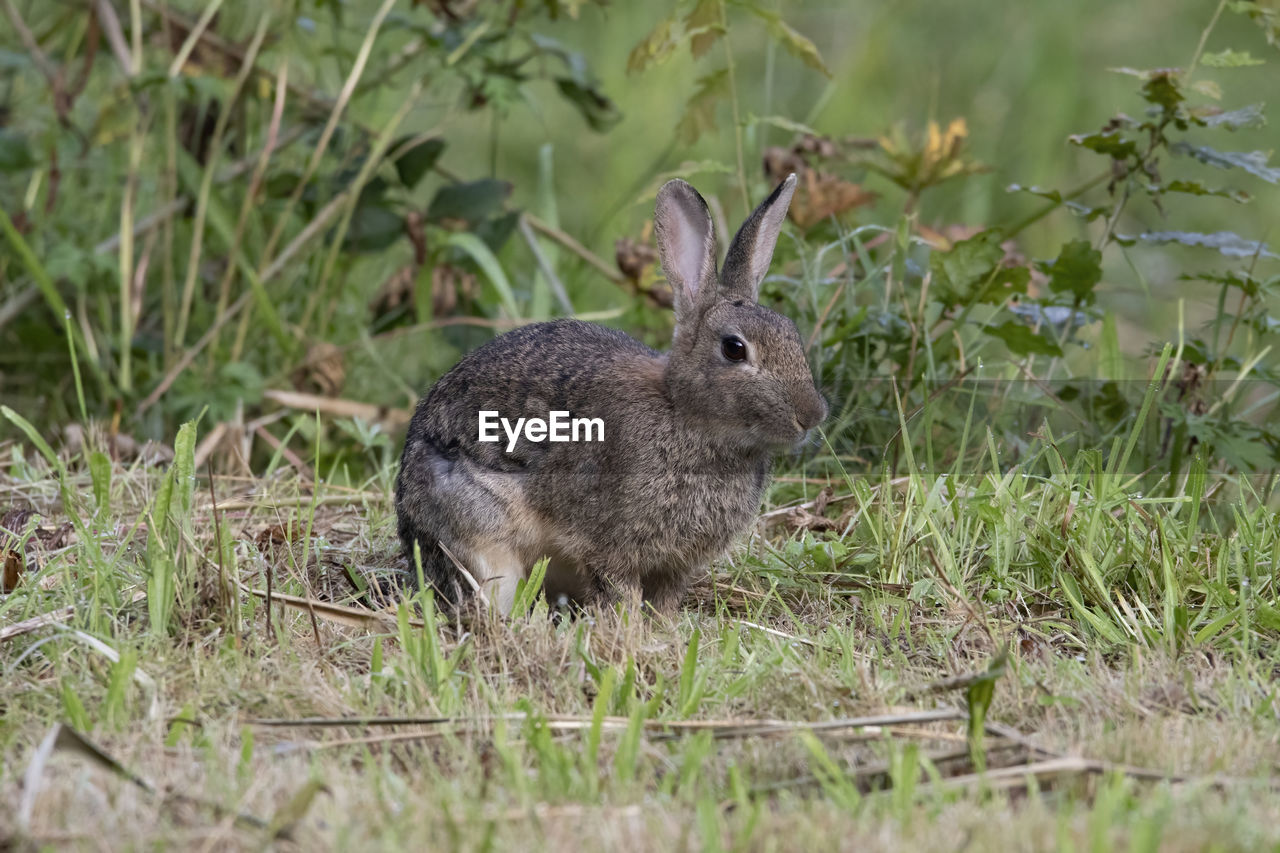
(688, 437)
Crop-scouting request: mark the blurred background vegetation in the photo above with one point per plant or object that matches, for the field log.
(251, 212)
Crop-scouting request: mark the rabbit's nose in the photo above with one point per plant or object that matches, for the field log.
(811, 412)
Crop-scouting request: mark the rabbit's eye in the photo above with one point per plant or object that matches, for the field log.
(734, 348)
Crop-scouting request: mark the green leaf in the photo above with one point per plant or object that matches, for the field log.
(1023, 340)
(972, 271)
(15, 154)
(654, 48)
(702, 24)
(1113, 143)
(700, 113)
(1162, 89)
(413, 164)
(1197, 188)
(600, 112)
(488, 264)
(978, 697)
(794, 42)
(1229, 59)
(33, 435)
(373, 228)
(1076, 270)
(1226, 242)
(184, 466)
(470, 201)
(1253, 162)
(100, 476)
(1075, 207)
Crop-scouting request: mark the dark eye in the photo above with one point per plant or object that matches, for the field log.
(734, 348)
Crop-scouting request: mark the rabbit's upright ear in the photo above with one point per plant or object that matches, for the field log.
(686, 245)
(752, 248)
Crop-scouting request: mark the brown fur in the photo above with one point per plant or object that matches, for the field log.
(689, 437)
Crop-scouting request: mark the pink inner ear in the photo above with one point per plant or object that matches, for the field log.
(689, 254)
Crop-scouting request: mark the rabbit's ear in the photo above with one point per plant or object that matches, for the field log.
(686, 245)
(752, 247)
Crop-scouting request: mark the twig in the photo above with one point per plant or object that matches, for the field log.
(577, 248)
(115, 36)
(29, 42)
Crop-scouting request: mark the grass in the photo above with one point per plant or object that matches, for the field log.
(998, 660)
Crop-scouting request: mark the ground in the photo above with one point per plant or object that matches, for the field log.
(818, 690)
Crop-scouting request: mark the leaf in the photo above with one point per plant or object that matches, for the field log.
(100, 477)
(15, 154)
(783, 123)
(1242, 118)
(291, 813)
(484, 258)
(373, 228)
(1162, 89)
(654, 48)
(413, 164)
(1075, 207)
(978, 697)
(1208, 88)
(1226, 242)
(971, 271)
(1197, 188)
(794, 42)
(822, 194)
(1253, 162)
(1242, 280)
(1113, 143)
(1229, 59)
(700, 113)
(1076, 270)
(468, 202)
(1023, 340)
(702, 24)
(600, 112)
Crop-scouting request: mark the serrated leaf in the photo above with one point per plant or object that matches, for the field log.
(1233, 278)
(1023, 340)
(1245, 117)
(702, 24)
(968, 263)
(1253, 162)
(1163, 90)
(1075, 207)
(1226, 242)
(1229, 59)
(599, 111)
(1076, 270)
(654, 48)
(413, 165)
(1197, 188)
(1113, 143)
(468, 201)
(700, 113)
(795, 43)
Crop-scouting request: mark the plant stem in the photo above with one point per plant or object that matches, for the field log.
(1204, 38)
(1022, 224)
(733, 103)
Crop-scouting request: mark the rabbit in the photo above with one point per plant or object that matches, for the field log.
(689, 436)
